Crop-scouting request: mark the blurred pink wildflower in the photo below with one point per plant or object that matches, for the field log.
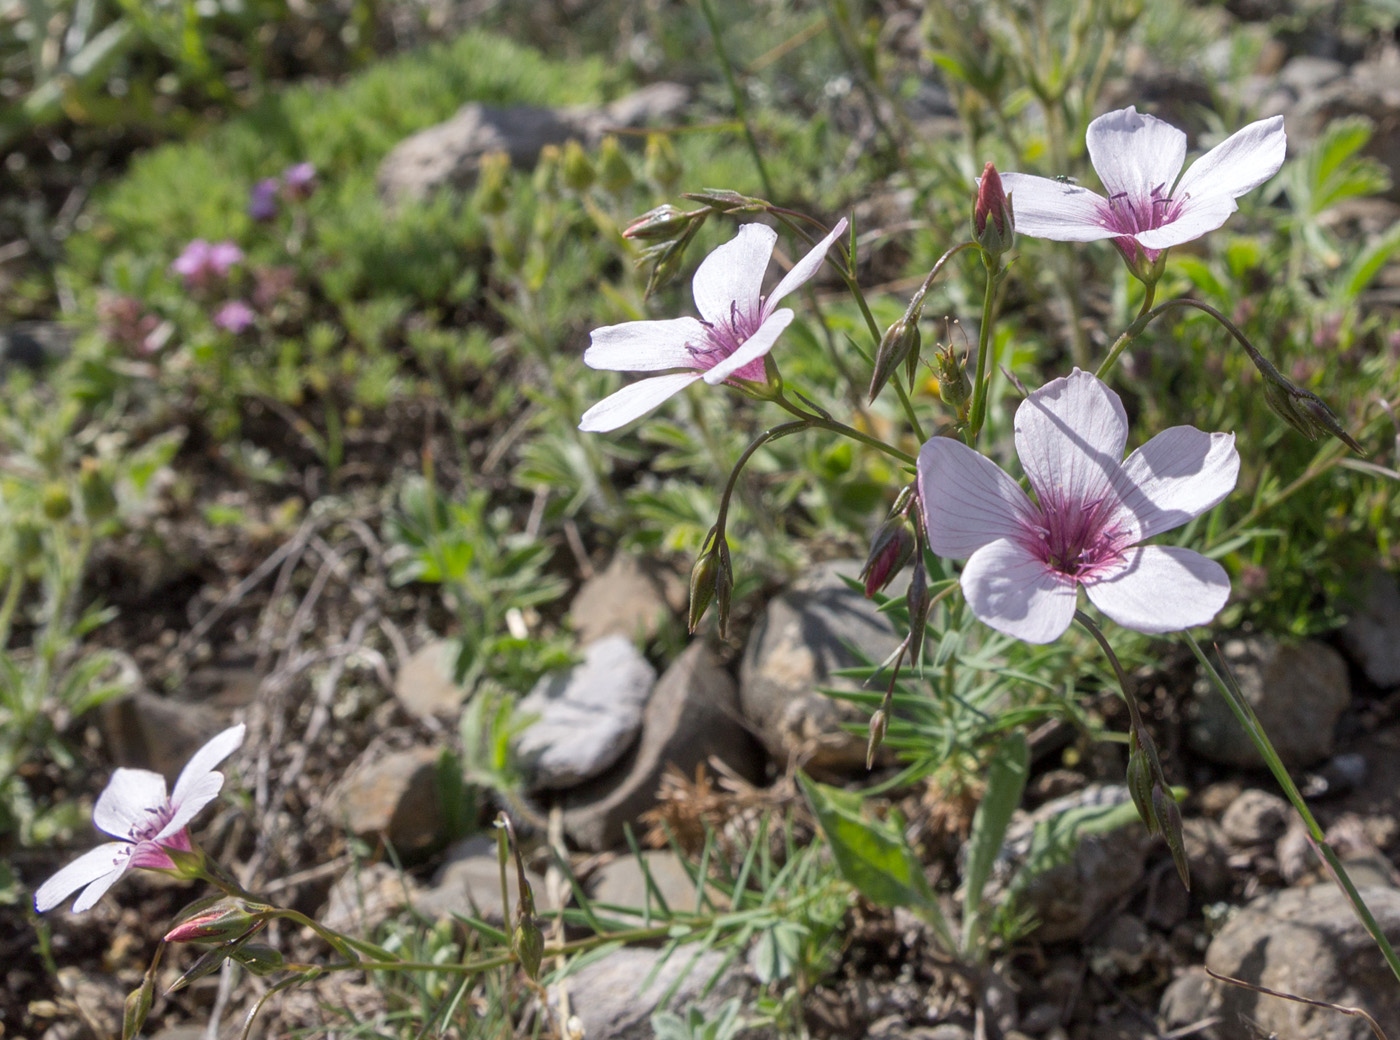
(1026, 559)
(262, 200)
(1138, 158)
(299, 181)
(234, 316)
(135, 809)
(203, 262)
(736, 329)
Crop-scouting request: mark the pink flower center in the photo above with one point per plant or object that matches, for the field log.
(1074, 538)
(723, 338)
(1129, 216)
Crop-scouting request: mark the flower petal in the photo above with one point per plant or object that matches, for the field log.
(1196, 218)
(753, 348)
(1055, 210)
(732, 276)
(634, 400)
(1015, 593)
(1240, 163)
(203, 761)
(804, 268)
(645, 346)
(1161, 588)
(1175, 477)
(1070, 436)
(967, 500)
(1133, 153)
(129, 802)
(96, 869)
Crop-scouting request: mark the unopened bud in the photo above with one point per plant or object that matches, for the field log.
(614, 169)
(225, 920)
(1169, 816)
(724, 585)
(662, 223)
(725, 201)
(57, 502)
(137, 1007)
(663, 163)
(993, 219)
(28, 543)
(259, 958)
(900, 342)
(1302, 409)
(954, 386)
(527, 942)
(702, 585)
(546, 178)
(95, 490)
(879, 724)
(669, 258)
(576, 169)
(918, 601)
(493, 175)
(1140, 783)
(890, 550)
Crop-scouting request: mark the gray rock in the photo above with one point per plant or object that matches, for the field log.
(1298, 691)
(623, 883)
(693, 714)
(470, 883)
(424, 685)
(449, 153)
(1207, 856)
(803, 637)
(1189, 998)
(587, 717)
(615, 997)
(394, 797)
(631, 598)
(1066, 898)
(364, 897)
(1255, 818)
(146, 731)
(34, 345)
(1371, 636)
(1305, 941)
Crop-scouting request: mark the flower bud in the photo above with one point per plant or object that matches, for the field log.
(663, 164)
(662, 223)
(1302, 409)
(137, 1007)
(1169, 817)
(724, 585)
(669, 257)
(95, 490)
(614, 170)
(227, 919)
(890, 550)
(493, 173)
(898, 345)
(576, 169)
(1140, 783)
(879, 724)
(918, 602)
(702, 586)
(722, 200)
(993, 219)
(954, 386)
(259, 958)
(57, 502)
(546, 178)
(28, 543)
(527, 942)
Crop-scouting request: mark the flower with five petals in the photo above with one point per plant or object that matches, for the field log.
(736, 329)
(1027, 558)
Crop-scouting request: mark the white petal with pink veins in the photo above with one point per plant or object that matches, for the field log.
(633, 401)
(1070, 436)
(753, 348)
(129, 802)
(1197, 217)
(1161, 588)
(731, 278)
(1240, 163)
(1045, 208)
(645, 346)
(97, 870)
(1015, 593)
(967, 500)
(1175, 477)
(803, 270)
(1134, 153)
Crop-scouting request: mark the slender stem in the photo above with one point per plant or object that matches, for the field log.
(828, 423)
(763, 438)
(1087, 623)
(736, 94)
(984, 349)
(1131, 332)
(13, 588)
(1250, 723)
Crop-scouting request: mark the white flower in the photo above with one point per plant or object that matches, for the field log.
(736, 329)
(135, 809)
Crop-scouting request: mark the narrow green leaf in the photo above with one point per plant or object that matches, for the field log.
(1006, 780)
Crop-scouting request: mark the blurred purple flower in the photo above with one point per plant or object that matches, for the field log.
(299, 181)
(262, 200)
(234, 316)
(203, 262)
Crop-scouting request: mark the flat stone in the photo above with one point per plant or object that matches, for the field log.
(469, 883)
(622, 883)
(1298, 691)
(1371, 636)
(1305, 941)
(615, 997)
(1255, 818)
(587, 717)
(450, 152)
(424, 685)
(364, 897)
(394, 797)
(693, 714)
(628, 598)
(145, 731)
(804, 636)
